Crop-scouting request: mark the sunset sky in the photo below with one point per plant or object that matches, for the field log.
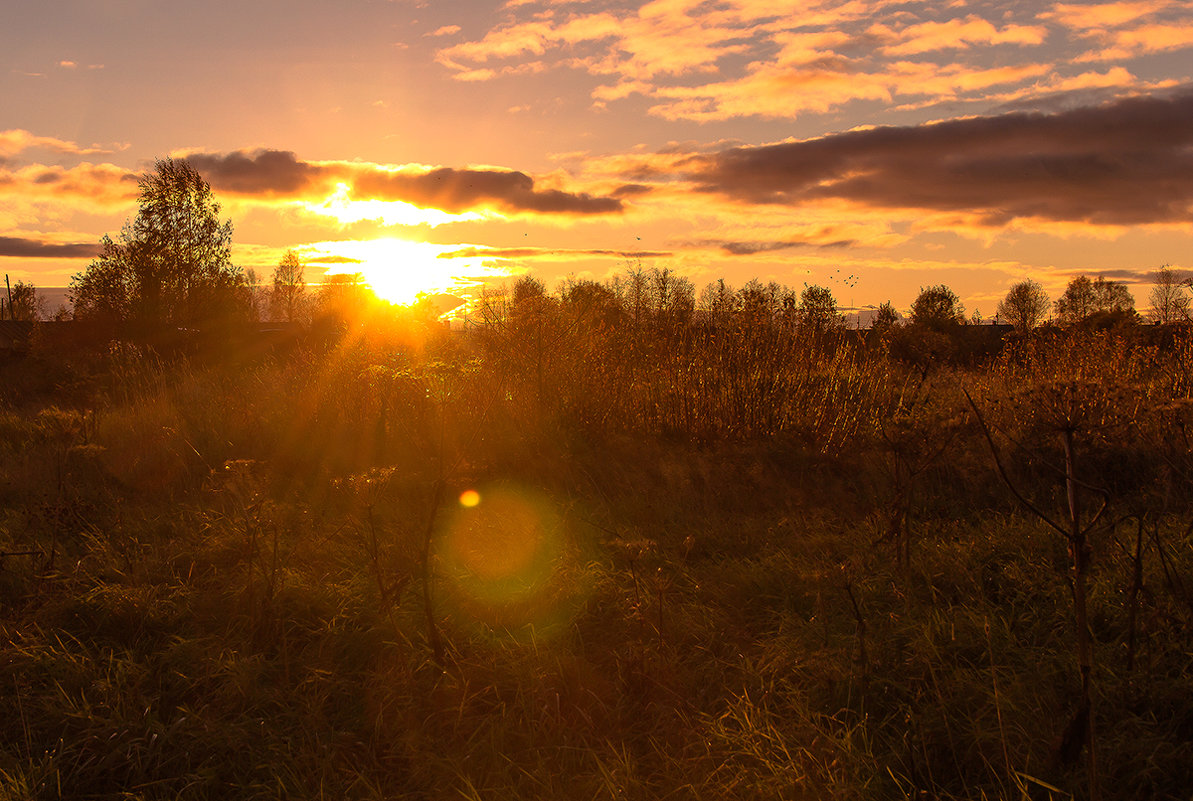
(870, 146)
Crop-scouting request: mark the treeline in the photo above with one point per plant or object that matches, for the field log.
(170, 268)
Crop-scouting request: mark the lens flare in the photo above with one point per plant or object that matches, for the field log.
(507, 564)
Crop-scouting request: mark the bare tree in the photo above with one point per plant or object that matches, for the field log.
(289, 288)
(1170, 297)
(1024, 306)
(718, 300)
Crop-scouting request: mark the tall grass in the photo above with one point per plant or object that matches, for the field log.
(214, 575)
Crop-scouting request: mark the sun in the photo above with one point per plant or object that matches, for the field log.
(397, 270)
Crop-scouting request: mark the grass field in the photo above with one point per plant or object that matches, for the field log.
(563, 558)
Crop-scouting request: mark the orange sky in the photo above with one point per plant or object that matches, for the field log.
(870, 146)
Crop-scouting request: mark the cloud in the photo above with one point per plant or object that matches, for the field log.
(779, 92)
(755, 247)
(457, 190)
(281, 174)
(953, 34)
(704, 61)
(265, 172)
(1125, 30)
(17, 140)
(1123, 163)
(96, 188)
(332, 260)
(1100, 16)
(1143, 40)
(19, 247)
(548, 253)
(446, 30)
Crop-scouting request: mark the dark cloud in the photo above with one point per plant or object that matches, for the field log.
(260, 172)
(280, 172)
(333, 260)
(750, 248)
(458, 190)
(533, 253)
(18, 247)
(1125, 162)
(1130, 276)
(632, 190)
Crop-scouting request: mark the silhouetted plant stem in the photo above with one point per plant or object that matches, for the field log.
(1082, 725)
(434, 637)
(1133, 594)
(1079, 559)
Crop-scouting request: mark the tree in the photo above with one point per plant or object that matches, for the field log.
(758, 303)
(1170, 298)
(289, 288)
(171, 267)
(1077, 302)
(937, 307)
(25, 303)
(818, 309)
(341, 298)
(1024, 306)
(673, 298)
(884, 319)
(1084, 298)
(718, 301)
(1112, 296)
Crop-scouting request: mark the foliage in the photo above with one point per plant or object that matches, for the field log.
(24, 302)
(1083, 298)
(1024, 306)
(884, 319)
(171, 267)
(937, 308)
(818, 309)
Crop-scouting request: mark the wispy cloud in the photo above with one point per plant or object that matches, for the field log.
(17, 140)
(549, 253)
(740, 58)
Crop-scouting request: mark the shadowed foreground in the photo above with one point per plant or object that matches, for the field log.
(706, 564)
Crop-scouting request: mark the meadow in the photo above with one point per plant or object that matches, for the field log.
(579, 553)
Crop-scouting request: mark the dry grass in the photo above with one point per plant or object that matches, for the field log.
(212, 580)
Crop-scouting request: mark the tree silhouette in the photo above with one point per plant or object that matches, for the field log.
(1084, 298)
(289, 288)
(171, 267)
(884, 319)
(1170, 297)
(1024, 306)
(937, 307)
(818, 309)
(25, 303)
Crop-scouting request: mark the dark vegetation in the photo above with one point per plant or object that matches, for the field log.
(610, 542)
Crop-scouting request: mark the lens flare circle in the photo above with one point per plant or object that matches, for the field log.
(505, 561)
